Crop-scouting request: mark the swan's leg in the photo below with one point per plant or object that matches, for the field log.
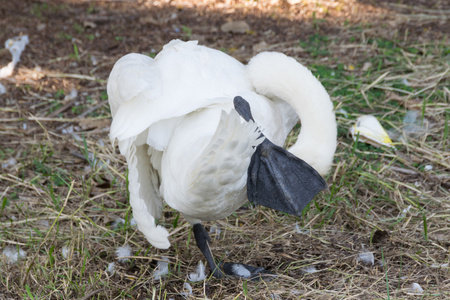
(222, 269)
(202, 238)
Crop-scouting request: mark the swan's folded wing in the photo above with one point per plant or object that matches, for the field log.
(143, 185)
(143, 91)
(278, 179)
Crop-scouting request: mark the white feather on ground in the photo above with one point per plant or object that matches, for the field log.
(309, 270)
(366, 258)
(111, 268)
(12, 254)
(65, 252)
(415, 289)
(162, 269)
(123, 252)
(199, 275)
(188, 287)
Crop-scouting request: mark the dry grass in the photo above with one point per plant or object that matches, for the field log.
(62, 185)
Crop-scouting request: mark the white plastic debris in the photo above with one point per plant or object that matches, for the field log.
(199, 275)
(309, 270)
(133, 222)
(371, 132)
(241, 271)
(123, 252)
(162, 269)
(428, 168)
(2, 89)
(15, 45)
(366, 258)
(415, 289)
(111, 268)
(12, 254)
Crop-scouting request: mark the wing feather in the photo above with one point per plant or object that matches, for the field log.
(143, 185)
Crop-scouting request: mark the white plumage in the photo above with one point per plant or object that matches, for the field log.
(174, 121)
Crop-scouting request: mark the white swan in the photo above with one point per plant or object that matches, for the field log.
(185, 143)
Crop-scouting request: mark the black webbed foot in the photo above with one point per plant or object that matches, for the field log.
(227, 269)
(247, 272)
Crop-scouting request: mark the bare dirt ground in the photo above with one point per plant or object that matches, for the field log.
(63, 186)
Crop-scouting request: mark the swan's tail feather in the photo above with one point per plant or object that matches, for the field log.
(277, 76)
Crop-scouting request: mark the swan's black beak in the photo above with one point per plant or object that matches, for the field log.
(276, 178)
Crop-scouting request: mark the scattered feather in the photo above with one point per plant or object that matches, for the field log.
(123, 252)
(12, 254)
(72, 95)
(241, 271)
(101, 143)
(342, 112)
(438, 266)
(9, 163)
(301, 231)
(413, 125)
(415, 289)
(2, 89)
(15, 46)
(117, 222)
(187, 287)
(309, 270)
(428, 168)
(406, 82)
(162, 269)
(111, 268)
(65, 252)
(94, 60)
(215, 230)
(199, 275)
(70, 130)
(366, 258)
(405, 211)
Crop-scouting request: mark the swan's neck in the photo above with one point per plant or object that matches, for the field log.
(280, 77)
(316, 142)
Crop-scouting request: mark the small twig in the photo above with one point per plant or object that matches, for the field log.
(93, 109)
(76, 76)
(380, 78)
(92, 294)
